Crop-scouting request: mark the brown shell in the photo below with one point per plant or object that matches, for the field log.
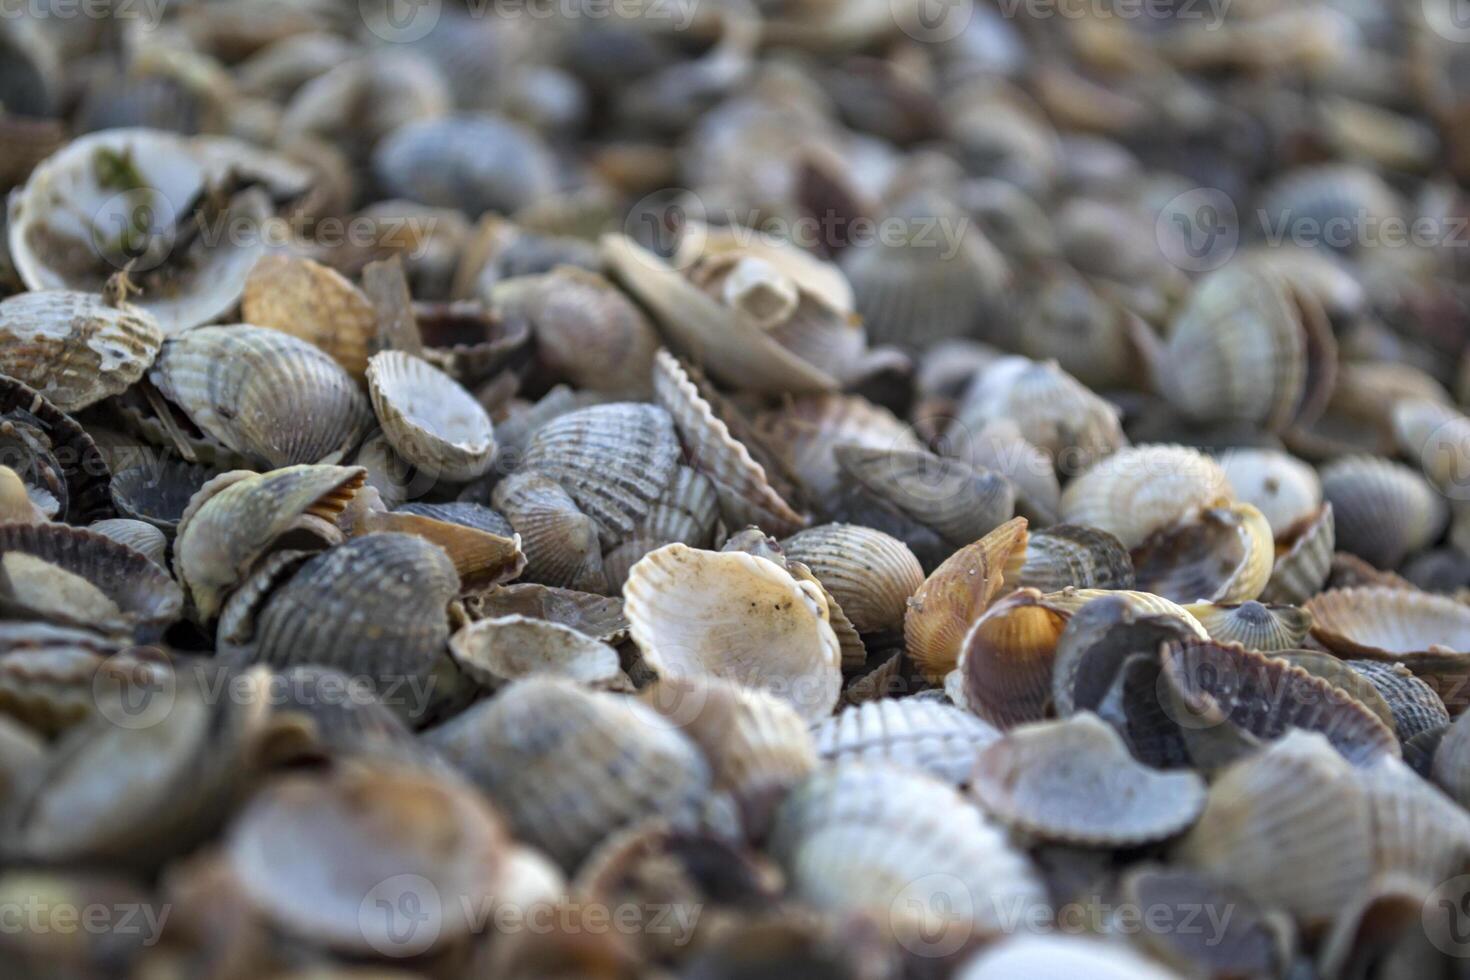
(1224, 554)
(869, 573)
(313, 302)
(561, 543)
(1424, 632)
(1073, 556)
(1007, 656)
(1302, 568)
(70, 457)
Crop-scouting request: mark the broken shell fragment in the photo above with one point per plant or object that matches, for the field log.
(507, 648)
(75, 348)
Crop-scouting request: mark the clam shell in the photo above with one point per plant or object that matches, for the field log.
(51, 676)
(961, 502)
(1074, 782)
(311, 853)
(1058, 958)
(1072, 556)
(158, 492)
(1224, 554)
(1289, 826)
(1249, 943)
(1228, 699)
(1418, 831)
(614, 460)
(1414, 705)
(507, 648)
(1007, 656)
(1340, 674)
(75, 348)
(463, 513)
(567, 765)
(141, 536)
(951, 599)
(594, 615)
(1000, 447)
(250, 388)
(428, 418)
(1383, 511)
(1426, 633)
(1302, 569)
(1253, 625)
(744, 484)
(805, 433)
(1052, 410)
(82, 578)
(315, 303)
(1143, 489)
(235, 519)
(869, 573)
(69, 457)
(682, 602)
(561, 543)
(687, 513)
(914, 734)
(1282, 487)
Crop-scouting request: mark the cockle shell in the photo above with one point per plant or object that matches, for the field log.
(428, 418)
(561, 543)
(1418, 832)
(506, 648)
(1414, 705)
(869, 573)
(687, 513)
(75, 348)
(961, 502)
(1074, 782)
(52, 453)
(1072, 556)
(1006, 658)
(1451, 766)
(1422, 631)
(473, 162)
(735, 616)
(805, 433)
(1253, 625)
(315, 303)
(1000, 447)
(567, 765)
(915, 734)
(1053, 411)
(141, 536)
(1250, 943)
(1383, 511)
(1302, 568)
(1222, 554)
(158, 493)
(53, 677)
(1144, 489)
(585, 612)
(1282, 487)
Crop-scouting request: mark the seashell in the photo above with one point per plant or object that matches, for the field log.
(1249, 345)
(586, 329)
(1383, 510)
(1072, 556)
(315, 303)
(1253, 625)
(393, 639)
(1074, 782)
(239, 617)
(595, 615)
(54, 677)
(1426, 633)
(360, 835)
(507, 648)
(561, 543)
(479, 557)
(52, 454)
(1007, 656)
(961, 502)
(141, 536)
(614, 460)
(428, 418)
(463, 513)
(1057, 957)
(1418, 831)
(1302, 568)
(1224, 554)
(1340, 675)
(680, 600)
(1089, 335)
(869, 573)
(1414, 705)
(1052, 410)
(467, 342)
(75, 348)
(687, 513)
(1249, 944)
(158, 491)
(567, 766)
(249, 388)
(82, 578)
(913, 734)
(956, 594)
(1280, 486)
(475, 163)
(1143, 489)
(805, 432)
(758, 747)
(861, 838)
(1229, 699)
(1451, 766)
(1289, 826)
(999, 446)
(728, 456)
(1341, 193)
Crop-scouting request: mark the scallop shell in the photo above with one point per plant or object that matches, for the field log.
(158, 491)
(141, 536)
(561, 543)
(56, 453)
(1052, 409)
(594, 615)
(951, 599)
(250, 388)
(1289, 826)
(805, 433)
(312, 852)
(1414, 705)
(682, 602)
(75, 348)
(869, 573)
(1059, 957)
(1072, 556)
(1224, 554)
(507, 648)
(1248, 943)
(961, 502)
(1302, 568)
(1383, 511)
(315, 303)
(913, 734)
(1074, 782)
(1253, 625)
(1229, 699)
(236, 518)
(1282, 487)
(1424, 632)
(1144, 489)
(567, 766)
(81, 578)
(1007, 657)
(428, 418)
(744, 484)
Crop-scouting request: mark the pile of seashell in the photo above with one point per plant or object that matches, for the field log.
(727, 489)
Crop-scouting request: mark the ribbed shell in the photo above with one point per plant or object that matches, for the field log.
(73, 347)
(83, 468)
(1418, 831)
(561, 543)
(1073, 782)
(1007, 656)
(1249, 944)
(1143, 489)
(158, 491)
(869, 573)
(1302, 570)
(915, 734)
(1282, 487)
(687, 513)
(568, 766)
(1225, 554)
(959, 501)
(585, 612)
(1072, 556)
(1383, 623)
(316, 303)
(141, 536)
(263, 393)
(507, 648)
(1451, 766)
(1383, 510)
(735, 616)
(1415, 706)
(463, 513)
(1253, 625)
(1052, 409)
(999, 446)
(805, 433)
(428, 418)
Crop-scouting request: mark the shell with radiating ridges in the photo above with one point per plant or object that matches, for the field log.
(805, 432)
(54, 453)
(507, 648)
(735, 616)
(1052, 409)
(915, 734)
(1414, 705)
(1279, 485)
(585, 612)
(1074, 782)
(1383, 510)
(158, 491)
(1249, 944)
(75, 348)
(1224, 554)
(1422, 631)
(1302, 568)
(1143, 489)
(687, 513)
(1007, 658)
(961, 502)
(561, 543)
(1255, 626)
(141, 536)
(1073, 556)
(428, 418)
(869, 573)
